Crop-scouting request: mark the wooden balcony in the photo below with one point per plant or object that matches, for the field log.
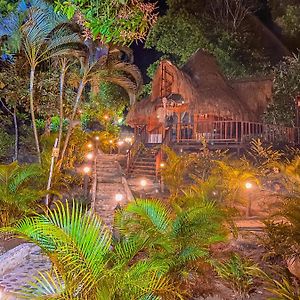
(226, 132)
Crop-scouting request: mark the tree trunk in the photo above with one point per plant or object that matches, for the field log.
(36, 137)
(61, 107)
(16, 133)
(70, 128)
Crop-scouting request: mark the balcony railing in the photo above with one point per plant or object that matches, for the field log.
(226, 132)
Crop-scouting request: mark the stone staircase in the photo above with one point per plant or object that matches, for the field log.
(110, 182)
(144, 166)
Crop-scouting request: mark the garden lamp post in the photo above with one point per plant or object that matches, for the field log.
(143, 184)
(110, 146)
(86, 171)
(90, 156)
(248, 186)
(120, 144)
(97, 138)
(162, 185)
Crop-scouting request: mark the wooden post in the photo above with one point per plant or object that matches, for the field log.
(178, 127)
(55, 153)
(195, 126)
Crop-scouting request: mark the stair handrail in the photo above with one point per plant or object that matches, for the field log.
(136, 148)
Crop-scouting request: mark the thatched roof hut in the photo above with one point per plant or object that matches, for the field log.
(203, 90)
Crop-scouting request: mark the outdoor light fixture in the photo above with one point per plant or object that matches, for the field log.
(120, 143)
(106, 117)
(119, 197)
(90, 145)
(143, 183)
(248, 185)
(162, 165)
(86, 170)
(110, 141)
(97, 138)
(90, 156)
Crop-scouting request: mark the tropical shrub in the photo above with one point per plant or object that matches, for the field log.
(176, 238)
(88, 263)
(232, 177)
(239, 273)
(176, 170)
(5, 144)
(18, 194)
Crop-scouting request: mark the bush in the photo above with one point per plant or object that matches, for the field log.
(5, 144)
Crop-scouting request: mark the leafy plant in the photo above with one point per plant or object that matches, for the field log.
(176, 170)
(18, 195)
(239, 273)
(88, 263)
(173, 237)
(281, 286)
(5, 143)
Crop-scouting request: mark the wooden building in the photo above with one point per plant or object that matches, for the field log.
(197, 102)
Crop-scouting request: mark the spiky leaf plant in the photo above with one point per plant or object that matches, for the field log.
(87, 263)
(17, 192)
(173, 237)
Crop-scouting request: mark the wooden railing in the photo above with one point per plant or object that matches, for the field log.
(235, 132)
(136, 148)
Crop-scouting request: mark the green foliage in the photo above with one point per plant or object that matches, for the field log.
(77, 148)
(7, 6)
(239, 273)
(286, 87)
(176, 170)
(173, 237)
(6, 144)
(88, 263)
(234, 50)
(173, 30)
(18, 193)
(287, 15)
(281, 287)
(233, 176)
(55, 121)
(116, 22)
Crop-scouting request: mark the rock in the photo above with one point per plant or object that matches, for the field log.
(294, 266)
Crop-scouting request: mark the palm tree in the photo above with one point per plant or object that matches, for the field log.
(44, 35)
(173, 236)
(99, 65)
(88, 263)
(16, 196)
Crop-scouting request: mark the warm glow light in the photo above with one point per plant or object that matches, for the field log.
(120, 143)
(119, 197)
(86, 170)
(106, 117)
(143, 182)
(110, 141)
(97, 138)
(90, 145)
(162, 165)
(248, 185)
(90, 156)
(80, 111)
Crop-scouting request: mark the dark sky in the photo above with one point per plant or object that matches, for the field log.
(144, 57)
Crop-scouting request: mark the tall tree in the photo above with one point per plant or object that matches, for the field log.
(97, 66)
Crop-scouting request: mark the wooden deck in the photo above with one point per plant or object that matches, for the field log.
(226, 132)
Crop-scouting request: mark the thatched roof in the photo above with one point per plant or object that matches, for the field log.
(205, 90)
